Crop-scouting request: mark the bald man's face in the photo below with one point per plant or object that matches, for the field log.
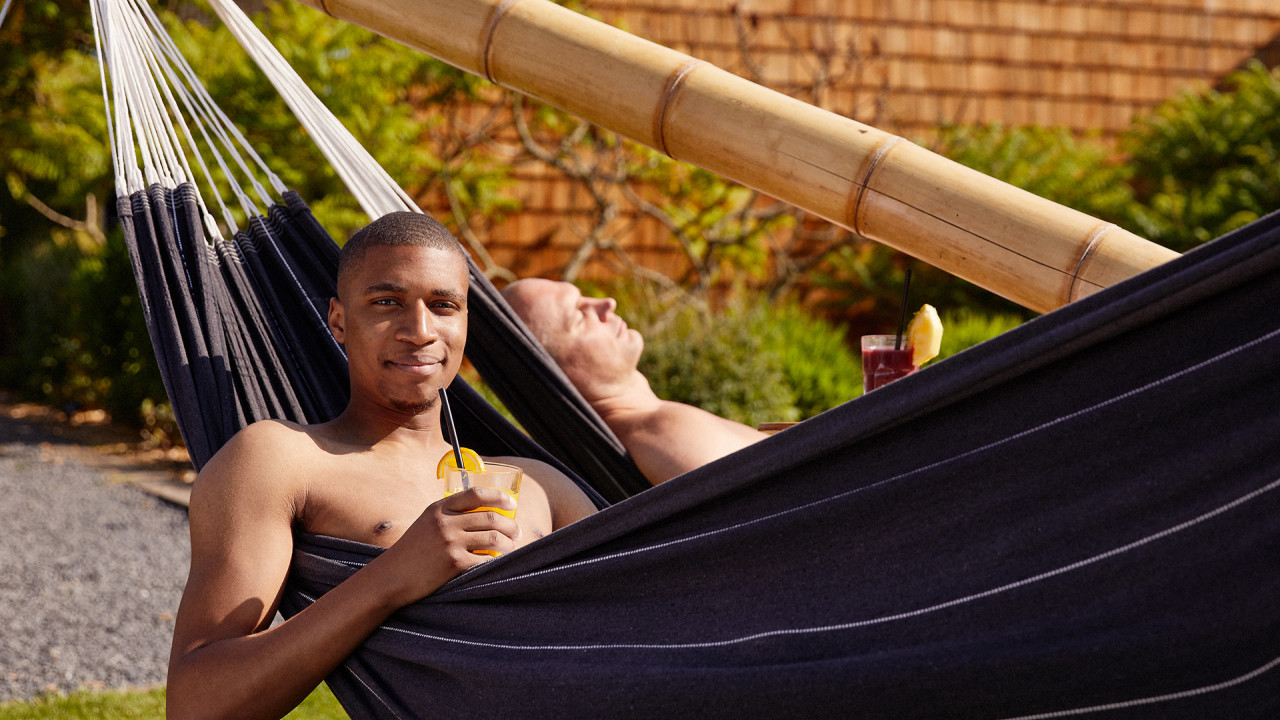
(584, 336)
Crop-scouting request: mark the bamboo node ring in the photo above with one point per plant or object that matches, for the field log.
(324, 5)
(856, 212)
(491, 27)
(674, 83)
(1089, 248)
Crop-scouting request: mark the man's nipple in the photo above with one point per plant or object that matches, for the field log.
(382, 527)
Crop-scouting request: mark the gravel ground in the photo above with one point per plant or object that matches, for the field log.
(91, 571)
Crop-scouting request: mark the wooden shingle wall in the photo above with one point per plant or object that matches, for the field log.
(908, 66)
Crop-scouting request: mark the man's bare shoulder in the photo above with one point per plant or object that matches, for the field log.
(268, 459)
(268, 442)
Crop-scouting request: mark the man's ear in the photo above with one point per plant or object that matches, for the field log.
(337, 321)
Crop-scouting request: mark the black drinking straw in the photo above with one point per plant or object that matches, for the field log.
(902, 320)
(447, 416)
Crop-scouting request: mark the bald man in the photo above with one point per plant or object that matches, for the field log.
(599, 354)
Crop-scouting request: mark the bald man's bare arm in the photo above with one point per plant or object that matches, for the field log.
(674, 438)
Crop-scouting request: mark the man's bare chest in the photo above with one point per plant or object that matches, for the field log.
(357, 498)
(369, 504)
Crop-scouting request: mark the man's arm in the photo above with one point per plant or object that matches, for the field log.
(673, 438)
(224, 662)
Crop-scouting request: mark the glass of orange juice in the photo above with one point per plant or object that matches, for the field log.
(495, 475)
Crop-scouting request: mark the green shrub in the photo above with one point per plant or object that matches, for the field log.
(1206, 163)
(82, 341)
(820, 362)
(963, 328)
(718, 363)
(755, 363)
(749, 362)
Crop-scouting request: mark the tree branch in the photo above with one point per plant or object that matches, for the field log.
(91, 210)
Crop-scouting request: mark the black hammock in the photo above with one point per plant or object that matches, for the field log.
(1077, 518)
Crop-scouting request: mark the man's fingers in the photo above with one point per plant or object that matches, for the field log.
(478, 512)
(480, 497)
(477, 522)
(484, 520)
(490, 542)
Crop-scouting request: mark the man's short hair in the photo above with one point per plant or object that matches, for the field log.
(396, 229)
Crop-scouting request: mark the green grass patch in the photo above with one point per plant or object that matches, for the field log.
(141, 705)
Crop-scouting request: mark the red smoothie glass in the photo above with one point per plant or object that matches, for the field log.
(882, 362)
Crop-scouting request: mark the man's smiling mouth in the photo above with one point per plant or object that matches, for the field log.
(415, 366)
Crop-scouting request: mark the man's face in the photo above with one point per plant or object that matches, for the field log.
(402, 315)
(584, 336)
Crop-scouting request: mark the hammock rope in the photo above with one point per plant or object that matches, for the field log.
(375, 190)
(157, 100)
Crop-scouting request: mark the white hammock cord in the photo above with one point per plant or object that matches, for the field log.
(145, 114)
(149, 45)
(157, 102)
(287, 84)
(374, 189)
(123, 76)
(214, 119)
(98, 41)
(223, 122)
(148, 75)
(145, 46)
(126, 151)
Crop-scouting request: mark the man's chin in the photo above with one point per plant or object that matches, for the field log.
(411, 407)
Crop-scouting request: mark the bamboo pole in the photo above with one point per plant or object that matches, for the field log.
(1030, 250)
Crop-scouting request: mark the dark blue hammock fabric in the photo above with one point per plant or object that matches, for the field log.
(1079, 518)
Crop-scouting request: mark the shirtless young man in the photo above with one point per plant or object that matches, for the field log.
(599, 355)
(367, 475)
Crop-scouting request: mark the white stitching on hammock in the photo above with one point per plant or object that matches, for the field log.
(1157, 698)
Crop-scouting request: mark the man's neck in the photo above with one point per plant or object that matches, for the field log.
(372, 425)
(631, 396)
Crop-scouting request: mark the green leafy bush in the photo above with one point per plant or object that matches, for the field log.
(964, 328)
(820, 362)
(1207, 163)
(82, 341)
(749, 362)
(753, 362)
(719, 363)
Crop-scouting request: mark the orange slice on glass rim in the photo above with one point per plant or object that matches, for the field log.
(470, 461)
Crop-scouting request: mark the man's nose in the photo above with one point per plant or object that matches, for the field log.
(419, 326)
(601, 306)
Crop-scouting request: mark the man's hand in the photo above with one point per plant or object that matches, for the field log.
(450, 536)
